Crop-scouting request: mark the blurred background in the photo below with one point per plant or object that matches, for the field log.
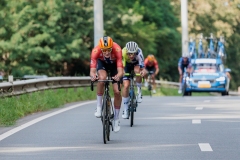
(55, 37)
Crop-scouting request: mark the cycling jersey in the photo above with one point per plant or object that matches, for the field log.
(183, 64)
(137, 60)
(116, 56)
(151, 64)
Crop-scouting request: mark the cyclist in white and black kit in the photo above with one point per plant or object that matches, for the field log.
(132, 60)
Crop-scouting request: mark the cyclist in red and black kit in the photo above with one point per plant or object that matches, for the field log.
(107, 56)
(151, 65)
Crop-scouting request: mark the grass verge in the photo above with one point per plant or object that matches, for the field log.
(13, 108)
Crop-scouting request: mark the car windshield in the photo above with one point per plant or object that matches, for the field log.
(205, 67)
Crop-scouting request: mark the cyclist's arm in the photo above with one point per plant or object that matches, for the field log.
(119, 62)
(156, 66)
(124, 54)
(140, 58)
(180, 70)
(93, 64)
(179, 66)
(93, 74)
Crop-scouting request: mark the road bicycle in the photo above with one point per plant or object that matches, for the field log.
(221, 48)
(192, 48)
(201, 52)
(107, 114)
(149, 80)
(132, 107)
(186, 75)
(211, 49)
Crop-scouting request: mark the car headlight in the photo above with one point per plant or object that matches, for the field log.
(221, 79)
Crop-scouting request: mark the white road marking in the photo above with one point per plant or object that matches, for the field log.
(94, 148)
(205, 147)
(198, 108)
(206, 101)
(19, 128)
(196, 121)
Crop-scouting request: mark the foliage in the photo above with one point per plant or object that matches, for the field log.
(38, 36)
(222, 19)
(55, 37)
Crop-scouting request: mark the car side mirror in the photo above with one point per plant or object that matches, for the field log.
(227, 70)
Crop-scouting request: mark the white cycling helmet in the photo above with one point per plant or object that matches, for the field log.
(132, 47)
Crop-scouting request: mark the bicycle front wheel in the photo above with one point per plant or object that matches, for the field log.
(104, 120)
(132, 110)
(150, 89)
(108, 118)
(184, 89)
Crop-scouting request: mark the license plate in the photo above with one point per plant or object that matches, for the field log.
(204, 84)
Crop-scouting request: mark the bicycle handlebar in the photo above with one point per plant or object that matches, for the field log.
(136, 74)
(107, 80)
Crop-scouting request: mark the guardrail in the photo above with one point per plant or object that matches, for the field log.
(14, 88)
(26, 86)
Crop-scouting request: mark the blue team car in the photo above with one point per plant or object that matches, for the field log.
(209, 75)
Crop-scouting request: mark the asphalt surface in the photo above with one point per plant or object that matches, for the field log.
(166, 128)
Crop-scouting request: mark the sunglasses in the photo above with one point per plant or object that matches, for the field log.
(131, 54)
(107, 50)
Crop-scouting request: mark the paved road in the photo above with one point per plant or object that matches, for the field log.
(166, 128)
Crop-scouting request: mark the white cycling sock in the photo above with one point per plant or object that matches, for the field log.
(116, 115)
(180, 86)
(99, 101)
(139, 85)
(125, 102)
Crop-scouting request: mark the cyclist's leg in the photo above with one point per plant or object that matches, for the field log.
(146, 77)
(117, 98)
(125, 91)
(138, 79)
(153, 69)
(102, 74)
(138, 83)
(117, 105)
(180, 79)
(125, 98)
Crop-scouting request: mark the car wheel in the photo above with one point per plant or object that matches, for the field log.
(224, 93)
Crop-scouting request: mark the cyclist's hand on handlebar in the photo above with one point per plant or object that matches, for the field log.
(94, 78)
(116, 78)
(142, 73)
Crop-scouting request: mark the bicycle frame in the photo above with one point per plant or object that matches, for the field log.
(133, 101)
(107, 108)
(184, 82)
